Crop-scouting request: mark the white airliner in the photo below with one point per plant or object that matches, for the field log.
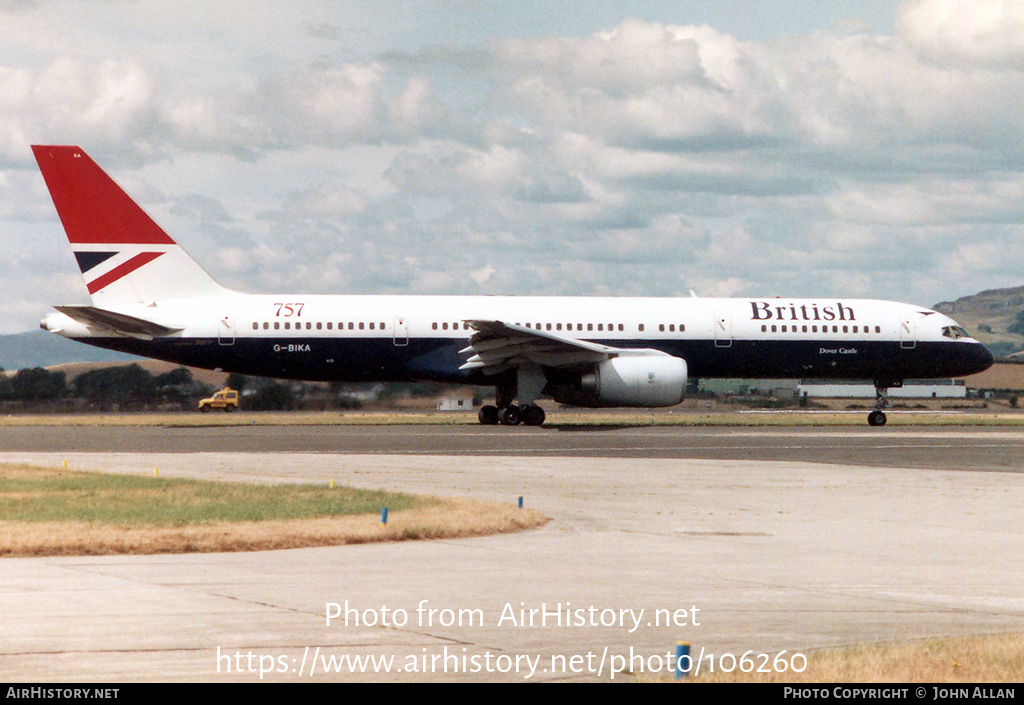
(151, 299)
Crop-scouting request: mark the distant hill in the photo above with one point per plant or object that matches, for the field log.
(41, 349)
(154, 367)
(988, 316)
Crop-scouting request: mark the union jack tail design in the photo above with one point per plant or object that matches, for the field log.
(124, 256)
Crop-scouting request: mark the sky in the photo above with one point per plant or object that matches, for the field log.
(870, 148)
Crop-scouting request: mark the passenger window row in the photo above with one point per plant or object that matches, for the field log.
(599, 327)
(543, 326)
(573, 326)
(319, 325)
(456, 325)
(814, 329)
(578, 327)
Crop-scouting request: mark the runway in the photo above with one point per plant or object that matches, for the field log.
(963, 448)
(743, 540)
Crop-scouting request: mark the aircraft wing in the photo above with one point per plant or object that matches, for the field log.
(117, 323)
(498, 346)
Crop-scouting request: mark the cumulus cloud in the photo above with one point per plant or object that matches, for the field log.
(931, 201)
(695, 90)
(326, 104)
(985, 31)
(480, 276)
(201, 208)
(18, 6)
(112, 103)
(460, 171)
(645, 84)
(648, 158)
(72, 99)
(415, 108)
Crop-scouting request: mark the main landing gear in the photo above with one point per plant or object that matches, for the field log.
(511, 415)
(525, 383)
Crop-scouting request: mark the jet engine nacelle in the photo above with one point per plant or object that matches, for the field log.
(65, 325)
(641, 380)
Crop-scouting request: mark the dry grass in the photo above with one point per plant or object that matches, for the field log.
(981, 659)
(785, 418)
(450, 519)
(240, 418)
(673, 417)
(67, 513)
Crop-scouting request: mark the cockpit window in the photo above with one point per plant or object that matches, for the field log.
(954, 332)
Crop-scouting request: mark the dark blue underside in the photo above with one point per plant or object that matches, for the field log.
(379, 359)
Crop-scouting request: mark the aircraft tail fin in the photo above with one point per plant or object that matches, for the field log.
(125, 257)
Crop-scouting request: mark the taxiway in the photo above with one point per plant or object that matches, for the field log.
(783, 540)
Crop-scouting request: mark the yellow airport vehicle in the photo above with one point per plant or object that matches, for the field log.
(226, 399)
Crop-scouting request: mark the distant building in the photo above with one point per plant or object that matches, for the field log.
(778, 388)
(455, 404)
(911, 389)
(1006, 375)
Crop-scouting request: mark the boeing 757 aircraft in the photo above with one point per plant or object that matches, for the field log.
(150, 298)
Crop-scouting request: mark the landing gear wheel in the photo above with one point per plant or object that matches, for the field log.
(876, 418)
(488, 415)
(533, 415)
(509, 416)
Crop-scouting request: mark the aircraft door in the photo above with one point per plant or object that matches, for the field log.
(401, 331)
(723, 329)
(908, 333)
(226, 330)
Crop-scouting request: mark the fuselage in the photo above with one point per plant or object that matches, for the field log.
(149, 297)
(406, 338)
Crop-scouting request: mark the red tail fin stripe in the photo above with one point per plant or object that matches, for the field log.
(122, 270)
(93, 209)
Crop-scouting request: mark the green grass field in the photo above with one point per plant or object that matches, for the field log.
(50, 512)
(28, 494)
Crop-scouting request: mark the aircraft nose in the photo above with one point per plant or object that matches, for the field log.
(982, 357)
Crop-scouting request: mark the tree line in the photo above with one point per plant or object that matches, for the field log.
(133, 388)
(123, 386)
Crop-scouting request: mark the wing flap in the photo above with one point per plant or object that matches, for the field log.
(498, 346)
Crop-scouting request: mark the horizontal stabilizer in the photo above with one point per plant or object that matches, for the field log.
(118, 323)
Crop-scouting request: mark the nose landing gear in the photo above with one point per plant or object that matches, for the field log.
(877, 417)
